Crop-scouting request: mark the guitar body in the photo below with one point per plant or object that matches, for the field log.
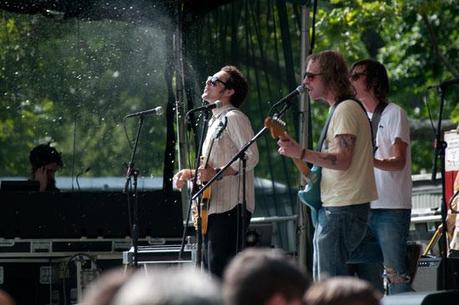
(204, 209)
(310, 196)
(204, 200)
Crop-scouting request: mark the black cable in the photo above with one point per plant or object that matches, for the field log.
(429, 112)
(127, 135)
(67, 269)
(313, 35)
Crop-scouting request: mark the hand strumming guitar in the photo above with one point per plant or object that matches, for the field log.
(289, 147)
(205, 174)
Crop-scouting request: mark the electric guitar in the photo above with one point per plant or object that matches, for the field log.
(311, 193)
(204, 201)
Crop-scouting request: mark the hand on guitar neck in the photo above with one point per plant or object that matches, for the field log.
(181, 177)
(204, 174)
(277, 128)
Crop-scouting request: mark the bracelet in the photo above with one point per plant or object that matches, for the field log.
(303, 153)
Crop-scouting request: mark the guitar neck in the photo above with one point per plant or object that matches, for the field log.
(277, 131)
(301, 165)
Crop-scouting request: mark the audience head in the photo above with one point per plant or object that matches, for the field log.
(259, 276)
(169, 286)
(103, 289)
(6, 299)
(342, 291)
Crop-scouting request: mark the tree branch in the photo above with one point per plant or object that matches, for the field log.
(434, 41)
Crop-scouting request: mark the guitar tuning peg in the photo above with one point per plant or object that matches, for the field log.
(281, 122)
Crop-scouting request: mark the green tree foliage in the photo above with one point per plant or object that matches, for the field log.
(417, 40)
(72, 81)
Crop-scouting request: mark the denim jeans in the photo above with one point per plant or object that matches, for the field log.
(338, 233)
(389, 229)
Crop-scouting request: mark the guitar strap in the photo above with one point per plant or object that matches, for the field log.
(323, 134)
(375, 122)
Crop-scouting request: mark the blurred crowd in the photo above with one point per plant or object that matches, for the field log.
(256, 276)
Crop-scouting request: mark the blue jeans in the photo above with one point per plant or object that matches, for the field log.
(338, 233)
(388, 232)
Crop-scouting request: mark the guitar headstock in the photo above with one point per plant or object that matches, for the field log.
(276, 126)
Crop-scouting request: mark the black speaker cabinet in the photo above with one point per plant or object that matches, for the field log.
(446, 297)
(29, 281)
(49, 281)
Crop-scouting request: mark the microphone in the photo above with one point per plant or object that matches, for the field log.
(158, 111)
(217, 104)
(445, 84)
(286, 99)
(78, 176)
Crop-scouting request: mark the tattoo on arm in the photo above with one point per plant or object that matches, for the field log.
(346, 141)
(330, 158)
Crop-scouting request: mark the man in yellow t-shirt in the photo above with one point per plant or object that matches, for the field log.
(346, 158)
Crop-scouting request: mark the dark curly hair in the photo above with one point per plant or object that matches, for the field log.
(335, 74)
(376, 77)
(238, 83)
(44, 154)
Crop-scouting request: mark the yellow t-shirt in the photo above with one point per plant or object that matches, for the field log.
(355, 185)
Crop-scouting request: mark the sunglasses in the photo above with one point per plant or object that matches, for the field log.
(311, 76)
(356, 76)
(213, 80)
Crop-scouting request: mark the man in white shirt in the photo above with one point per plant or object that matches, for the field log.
(390, 215)
(229, 87)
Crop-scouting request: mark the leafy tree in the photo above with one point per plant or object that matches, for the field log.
(72, 81)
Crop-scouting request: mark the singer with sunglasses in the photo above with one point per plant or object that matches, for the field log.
(227, 88)
(390, 215)
(346, 158)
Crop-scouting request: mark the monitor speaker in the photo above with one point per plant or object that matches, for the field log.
(446, 297)
(429, 276)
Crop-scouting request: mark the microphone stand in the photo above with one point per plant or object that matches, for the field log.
(440, 147)
(194, 187)
(241, 154)
(242, 212)
(131, 191)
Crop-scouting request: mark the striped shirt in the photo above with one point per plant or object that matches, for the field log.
(237, 131)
